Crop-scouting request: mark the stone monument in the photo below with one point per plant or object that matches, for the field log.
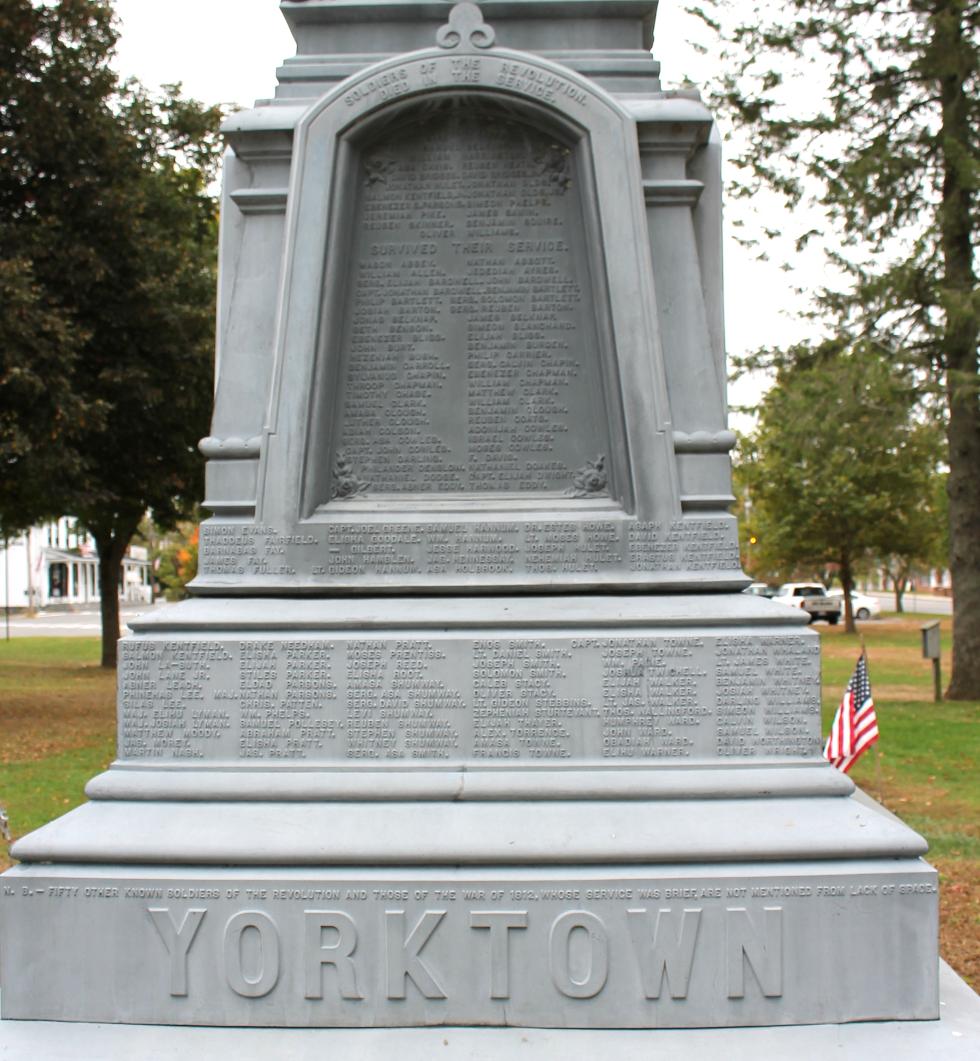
(468, 722)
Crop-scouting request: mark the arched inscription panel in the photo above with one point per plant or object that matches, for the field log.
(469, 355)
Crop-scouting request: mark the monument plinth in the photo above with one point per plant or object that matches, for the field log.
(469, 722)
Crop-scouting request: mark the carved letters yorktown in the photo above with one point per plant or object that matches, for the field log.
(663, 943)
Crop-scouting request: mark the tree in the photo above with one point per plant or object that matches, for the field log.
(921, 539)
(112, 204)
(54, 80)
(889, 151)
(150, 356)
(39, 412)
(840, 462)
(744, 477)
(176, 560)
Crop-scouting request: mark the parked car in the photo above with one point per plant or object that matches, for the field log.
(760, 589)
(811, 597)
(863, 606)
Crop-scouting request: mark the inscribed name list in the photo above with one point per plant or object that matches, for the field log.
(452, 699)
(469, 354)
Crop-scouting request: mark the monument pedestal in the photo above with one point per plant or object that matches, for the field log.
(372, 887)
(470, 722)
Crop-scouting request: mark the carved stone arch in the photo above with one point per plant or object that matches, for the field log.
(304, 468)
(556, 155)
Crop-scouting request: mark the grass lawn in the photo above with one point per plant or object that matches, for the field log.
(58, 720)
(57, 717)
(924, 767)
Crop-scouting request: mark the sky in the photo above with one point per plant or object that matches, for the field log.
(228, 51)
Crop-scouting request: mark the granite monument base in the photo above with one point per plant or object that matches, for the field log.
(577, 947)
(528, 812)
(954, 1037)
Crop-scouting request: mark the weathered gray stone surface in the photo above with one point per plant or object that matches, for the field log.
(624, 947)
(469, 722)
(954, 1036)
(564, 697)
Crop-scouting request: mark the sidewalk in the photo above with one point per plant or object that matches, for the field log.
(82, 621)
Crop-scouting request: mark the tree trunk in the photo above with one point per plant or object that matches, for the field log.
(964, 536)
(111, 549)
(954, 61)
(847, 584)
(900, 584)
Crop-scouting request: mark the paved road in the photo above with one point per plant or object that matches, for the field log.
(83, 622)
(917, 603)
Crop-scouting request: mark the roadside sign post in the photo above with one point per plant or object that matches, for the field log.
(931, 650)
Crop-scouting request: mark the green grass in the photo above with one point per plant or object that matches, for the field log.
(48, 652)
(900, 631)
(42, 666)
(35, 793)
(58, 720)
(883, 671)
(928, 742)
(924, 766)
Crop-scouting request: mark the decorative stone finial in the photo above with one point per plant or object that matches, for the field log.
(467, 28)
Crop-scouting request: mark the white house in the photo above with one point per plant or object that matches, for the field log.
(56, 564)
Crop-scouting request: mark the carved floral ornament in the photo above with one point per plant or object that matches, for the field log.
(591, 480)
(465, 29)
(346, 482)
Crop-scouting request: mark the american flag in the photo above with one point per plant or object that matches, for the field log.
(855, 726)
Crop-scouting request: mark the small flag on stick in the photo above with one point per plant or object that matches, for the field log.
(855, 726)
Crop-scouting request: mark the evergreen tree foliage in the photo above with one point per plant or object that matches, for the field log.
(871, 111)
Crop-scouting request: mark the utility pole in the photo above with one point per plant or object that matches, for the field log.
(28, 534)
(6, 582)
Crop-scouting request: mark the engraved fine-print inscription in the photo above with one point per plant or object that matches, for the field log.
(457, 699)
(469, 356)
(352, 551)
